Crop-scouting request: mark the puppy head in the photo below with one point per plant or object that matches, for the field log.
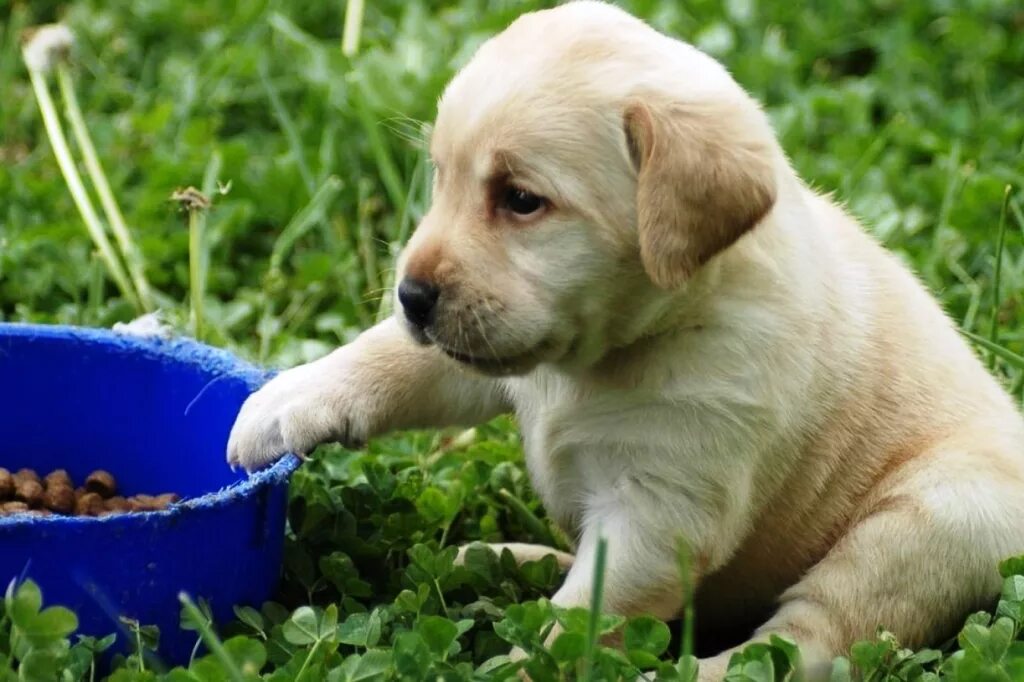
(586, 167)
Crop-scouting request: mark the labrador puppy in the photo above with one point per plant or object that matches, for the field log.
(696, 346)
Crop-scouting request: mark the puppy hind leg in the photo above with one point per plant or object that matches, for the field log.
(522, 552)
(922, 557)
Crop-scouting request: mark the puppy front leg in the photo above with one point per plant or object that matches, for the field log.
(641, 577)
(380, 382)
(641, 574)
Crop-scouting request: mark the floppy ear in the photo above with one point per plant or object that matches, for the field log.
(704, 178)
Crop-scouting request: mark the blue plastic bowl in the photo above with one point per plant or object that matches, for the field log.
(157, 415)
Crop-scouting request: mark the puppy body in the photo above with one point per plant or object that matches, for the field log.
(697, 348)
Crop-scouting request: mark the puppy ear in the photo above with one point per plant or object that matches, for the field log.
(704, 178)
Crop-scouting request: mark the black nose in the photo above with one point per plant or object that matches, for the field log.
(418, 299)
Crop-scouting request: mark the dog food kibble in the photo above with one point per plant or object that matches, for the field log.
(58, 479)
(29, 491)
(101, 483)
(140, 503)
(6, 484)
(25, 493)
(117, 505)
(60, 492)
(23, 477)
(25, 474)
(59, 498)
(89, 504)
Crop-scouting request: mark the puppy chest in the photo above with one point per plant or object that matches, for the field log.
(555, 471)
(581, 456)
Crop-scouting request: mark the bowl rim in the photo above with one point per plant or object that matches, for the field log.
(217, 361)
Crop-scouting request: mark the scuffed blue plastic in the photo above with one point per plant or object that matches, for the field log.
(157, 415)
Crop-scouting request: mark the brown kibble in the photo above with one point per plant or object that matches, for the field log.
(144, 503)
(89, 504)
(23, 475)
(13, 507)
(24, 492)
(59, 495)
(117, 505)
(102, 483)
(59, 478)
(29, 491)
(59, 498)
(6, 485)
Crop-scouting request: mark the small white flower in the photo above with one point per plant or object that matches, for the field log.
(46, 45)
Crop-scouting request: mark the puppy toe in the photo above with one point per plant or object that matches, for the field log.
(255, 442)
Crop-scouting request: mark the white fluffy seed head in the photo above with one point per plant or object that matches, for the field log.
(46, 45)
(148, 325)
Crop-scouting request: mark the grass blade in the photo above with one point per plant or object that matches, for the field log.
(952, 184)
(353, 27)
(211, 175)
(533, 524)
(596, 603)
(284, 119)
(78, 193)
(386, 165)
(1007, 355)
(210, 638)
(366, 238)
(993, 331)
(685, 560)
(129, 249)
(1018, 214)
(416, 185)
(303, 221)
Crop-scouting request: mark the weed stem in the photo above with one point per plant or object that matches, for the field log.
(195, 203)
(195, 286)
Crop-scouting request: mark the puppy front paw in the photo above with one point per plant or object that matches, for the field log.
(294, 412)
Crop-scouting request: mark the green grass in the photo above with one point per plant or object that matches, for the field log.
(311, 116)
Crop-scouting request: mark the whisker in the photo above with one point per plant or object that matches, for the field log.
(483, 335)
(512, 332)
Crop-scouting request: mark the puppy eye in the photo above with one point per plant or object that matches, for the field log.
(521, 202)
